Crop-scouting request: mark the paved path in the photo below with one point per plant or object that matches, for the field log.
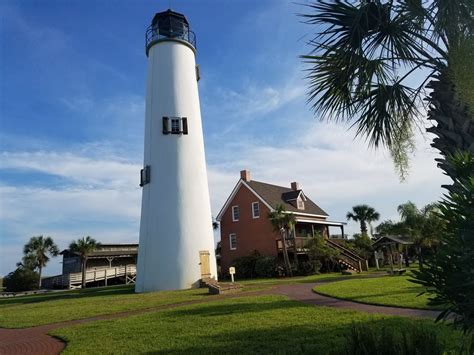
(304, 293)
(35, 340)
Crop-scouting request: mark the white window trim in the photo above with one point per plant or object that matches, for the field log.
(235, 219)
(230, 241)
(253, 210)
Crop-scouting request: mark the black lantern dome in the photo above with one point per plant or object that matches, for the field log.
(169, 25)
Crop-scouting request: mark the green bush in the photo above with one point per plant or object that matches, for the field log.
(365, 339)
(22, 279)
(265, 266)
(309, 267)
(255, 265)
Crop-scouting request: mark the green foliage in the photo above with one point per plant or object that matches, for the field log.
(448, 274)
(283, 222)
(371, 62)
(266, 266)
(363, 214)
(84, 246)
(255, 265)
(22, 279)
(320, 254)
(37, 253)
(367, 339)
(362, 245)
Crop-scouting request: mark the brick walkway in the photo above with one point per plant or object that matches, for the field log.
(36, 341)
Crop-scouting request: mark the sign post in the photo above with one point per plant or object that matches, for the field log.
(232, 272)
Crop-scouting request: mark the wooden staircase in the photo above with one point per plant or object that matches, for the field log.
(348, 258)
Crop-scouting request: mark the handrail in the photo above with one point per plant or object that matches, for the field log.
(354, 255)
(153, 34)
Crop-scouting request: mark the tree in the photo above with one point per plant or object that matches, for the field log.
(373, 61)
(37, 253)
(22, 279)
(319, 253)
(422, 226)
(84, 246)
(363, 214)
(282, 222)
(447, 274)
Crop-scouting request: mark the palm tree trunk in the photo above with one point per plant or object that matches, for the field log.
(84, 263)
(363, 227)
(40, 271)
(455, 123)
(285, 255)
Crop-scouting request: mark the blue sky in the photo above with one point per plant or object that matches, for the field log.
(72, 76)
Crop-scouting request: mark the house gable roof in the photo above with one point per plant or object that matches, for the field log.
(272, 196)
(279, 195)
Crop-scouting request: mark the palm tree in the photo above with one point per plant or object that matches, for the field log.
(84, 246)
(37, 253)
(363, 214)
(282, 223)
(372, 61)
(422, 226)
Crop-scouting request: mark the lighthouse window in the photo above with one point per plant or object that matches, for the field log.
(175, 125)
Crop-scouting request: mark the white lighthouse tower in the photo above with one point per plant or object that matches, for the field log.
(176, 245)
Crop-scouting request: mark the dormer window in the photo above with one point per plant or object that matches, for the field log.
(300, 203)
(175, 125)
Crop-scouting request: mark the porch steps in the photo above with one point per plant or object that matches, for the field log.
(348, 258)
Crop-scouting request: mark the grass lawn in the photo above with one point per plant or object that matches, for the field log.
(28, 311)
(388, 290)
(259, 324)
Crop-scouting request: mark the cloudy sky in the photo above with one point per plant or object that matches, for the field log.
(72, 76)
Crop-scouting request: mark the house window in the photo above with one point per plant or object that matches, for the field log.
(232, 241)
(255, 210)
(235, 213)
(175, 125)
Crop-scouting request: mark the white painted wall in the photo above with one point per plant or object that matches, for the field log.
(176, 220)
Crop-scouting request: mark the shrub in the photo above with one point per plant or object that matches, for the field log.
(22, 279)
(265, 266)
(255, 265)
(370, 339)
(309, 267)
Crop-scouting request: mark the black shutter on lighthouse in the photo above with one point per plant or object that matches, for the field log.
(166, 125)
(185, 125)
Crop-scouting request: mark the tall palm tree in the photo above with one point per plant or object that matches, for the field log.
(84, 246)
(282, 223)
(37, 253)
(371, 62)
(363, 214)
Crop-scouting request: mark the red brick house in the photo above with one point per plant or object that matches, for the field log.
(245, 226)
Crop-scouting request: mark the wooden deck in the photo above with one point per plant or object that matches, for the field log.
(74, 280)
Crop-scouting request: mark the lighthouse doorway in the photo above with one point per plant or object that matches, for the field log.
(204, 263)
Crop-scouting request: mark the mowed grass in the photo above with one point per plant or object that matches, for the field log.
(388, 290)
(259, 324)
(28, 311)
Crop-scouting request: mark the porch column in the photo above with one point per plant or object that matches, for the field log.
(342, 231)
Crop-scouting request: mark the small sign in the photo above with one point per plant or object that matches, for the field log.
(232, 272)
